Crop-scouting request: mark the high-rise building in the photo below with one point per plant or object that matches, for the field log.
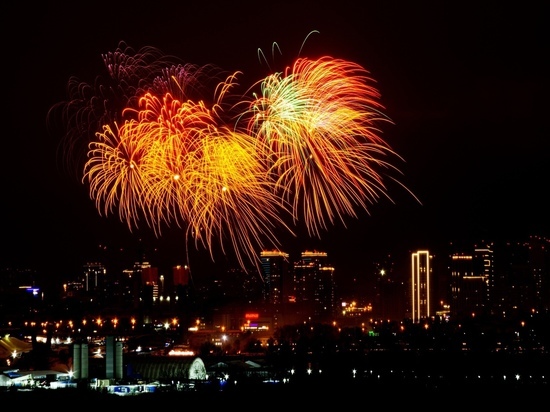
(275, 275)
(180, 275)
(146, 284)
(421, 272)
(484, 266)
(538, 264)
(277, 282)
(149, 275)
(468, 285)
(94, 274)
(521, 277)
(314, 286)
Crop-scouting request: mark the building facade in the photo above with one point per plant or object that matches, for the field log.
(421, 272)
(314, 286)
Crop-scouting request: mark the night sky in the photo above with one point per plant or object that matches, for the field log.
(465, 86)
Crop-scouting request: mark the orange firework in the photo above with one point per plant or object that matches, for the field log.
(129, 75)
(232, 200)
(307, 148)
(317, 125)
(174, 164)
(113, 172)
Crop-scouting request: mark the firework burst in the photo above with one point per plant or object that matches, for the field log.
(170, 144)
(318, 125)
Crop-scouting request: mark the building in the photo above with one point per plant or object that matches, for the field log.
(275, 274)
(468, 285)
(421, 272)
(314, 287)
(277, 282)
(485, 267)
(94, 276)
(522, 277)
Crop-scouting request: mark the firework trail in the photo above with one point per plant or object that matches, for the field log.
(170, 144)
(317, 124)
(128, 76)
(174, 163)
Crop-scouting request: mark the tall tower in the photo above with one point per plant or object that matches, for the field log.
(485, 266)
(149, 283)
(274, 268)
(468, 285)
(314, 286)
(421, 270)
(94, 274)
(277, 285)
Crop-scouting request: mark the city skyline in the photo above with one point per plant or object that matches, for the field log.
(464, 88)
(481, 279)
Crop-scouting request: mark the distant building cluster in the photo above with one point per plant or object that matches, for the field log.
(484, 279)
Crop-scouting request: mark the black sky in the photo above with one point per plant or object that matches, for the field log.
(465, 84)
